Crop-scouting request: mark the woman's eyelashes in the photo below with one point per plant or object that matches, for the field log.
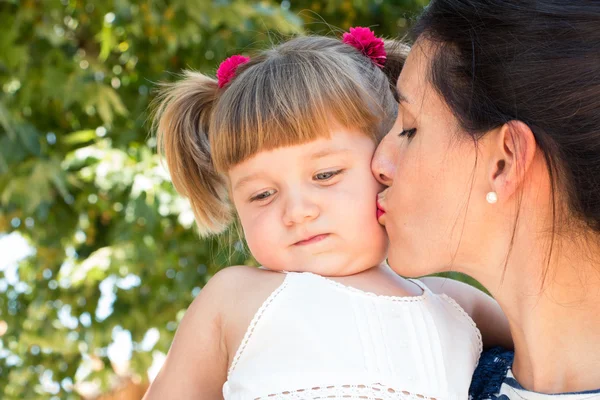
(409, 133)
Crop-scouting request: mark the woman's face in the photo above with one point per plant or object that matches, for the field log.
(429, 165)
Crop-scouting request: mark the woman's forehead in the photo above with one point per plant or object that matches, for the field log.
(413, 78)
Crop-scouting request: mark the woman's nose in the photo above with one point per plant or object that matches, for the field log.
(383, 163)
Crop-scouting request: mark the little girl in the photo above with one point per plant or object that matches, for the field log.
(286, 139)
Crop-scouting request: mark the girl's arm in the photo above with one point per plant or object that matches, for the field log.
(484, 310)
(196, 365)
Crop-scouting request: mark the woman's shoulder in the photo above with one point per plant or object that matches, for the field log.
(490, 373)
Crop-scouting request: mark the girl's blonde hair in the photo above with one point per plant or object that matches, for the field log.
(288, 95)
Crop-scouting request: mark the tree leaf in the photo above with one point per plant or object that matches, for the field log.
(80, 137)
(30, 139)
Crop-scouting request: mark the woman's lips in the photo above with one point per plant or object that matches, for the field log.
(312, 239)
(380, 210)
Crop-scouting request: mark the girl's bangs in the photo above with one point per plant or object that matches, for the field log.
(288, 104)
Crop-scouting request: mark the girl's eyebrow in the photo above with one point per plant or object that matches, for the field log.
(245, 180)
(328, 152)
(314, 156)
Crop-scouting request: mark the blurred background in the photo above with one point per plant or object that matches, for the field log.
(98, 256)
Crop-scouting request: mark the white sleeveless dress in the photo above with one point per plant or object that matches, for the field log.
(314, 338)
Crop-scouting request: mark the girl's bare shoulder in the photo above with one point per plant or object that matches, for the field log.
(243, 280)
(236, 292)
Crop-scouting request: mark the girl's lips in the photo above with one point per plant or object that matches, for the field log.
(312, 239)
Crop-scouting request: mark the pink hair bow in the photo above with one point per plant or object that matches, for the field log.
(365, 41)
(226, 70)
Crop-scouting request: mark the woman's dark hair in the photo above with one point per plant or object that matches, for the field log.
(536, 61)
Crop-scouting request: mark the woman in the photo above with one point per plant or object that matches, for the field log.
(493, 169)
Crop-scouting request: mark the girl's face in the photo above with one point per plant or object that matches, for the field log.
(312, 207)
(429, 166)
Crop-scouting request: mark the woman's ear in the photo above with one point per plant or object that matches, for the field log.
(512, 152)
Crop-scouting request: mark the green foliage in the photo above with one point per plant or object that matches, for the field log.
(80, 180)
(389, 18)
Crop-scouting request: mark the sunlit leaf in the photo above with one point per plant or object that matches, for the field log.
(80, 137)
(106, 41)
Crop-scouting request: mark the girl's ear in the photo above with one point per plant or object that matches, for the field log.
(512, 151)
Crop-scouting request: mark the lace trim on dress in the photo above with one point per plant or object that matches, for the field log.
(252, 325)
(468, 318)
(375, 391)
(371, 294)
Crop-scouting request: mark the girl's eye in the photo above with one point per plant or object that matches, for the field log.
(409, 133)
(324, 176)
(263, 196)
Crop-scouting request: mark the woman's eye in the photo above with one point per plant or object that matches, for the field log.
(409, 133)
(324, 176)
(263, 195)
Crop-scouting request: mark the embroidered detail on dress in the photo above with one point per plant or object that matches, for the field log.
(375, 391)
(401, 299)
(468, 318)
(253, 323)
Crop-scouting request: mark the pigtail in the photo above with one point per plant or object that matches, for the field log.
(181, 120)
(397, 52)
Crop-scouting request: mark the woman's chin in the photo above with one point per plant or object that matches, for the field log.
(405, 263)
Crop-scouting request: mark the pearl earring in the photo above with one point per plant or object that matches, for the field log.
(491, 197)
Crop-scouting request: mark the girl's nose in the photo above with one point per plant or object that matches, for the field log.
(299, 209)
